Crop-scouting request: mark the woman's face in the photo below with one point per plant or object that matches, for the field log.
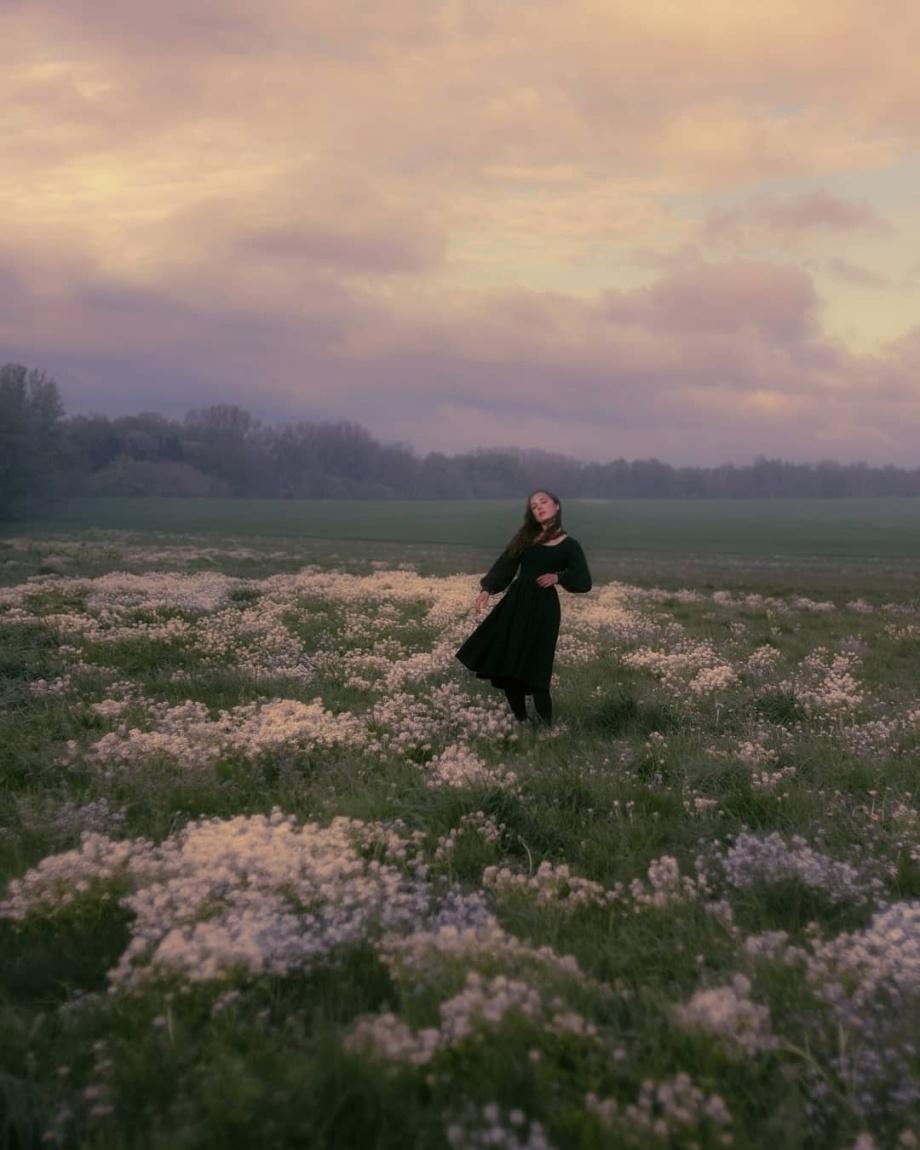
(543, 507)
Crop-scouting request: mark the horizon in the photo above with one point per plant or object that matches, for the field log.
(692, 234)
(499, 449)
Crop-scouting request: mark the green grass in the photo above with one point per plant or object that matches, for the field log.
(873, 530)
(839, 548)
(636, 771)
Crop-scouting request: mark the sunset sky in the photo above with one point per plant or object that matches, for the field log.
(689, 231)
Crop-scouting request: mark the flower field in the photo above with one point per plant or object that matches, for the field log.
(279, 872)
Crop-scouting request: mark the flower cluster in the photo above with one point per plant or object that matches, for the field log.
(688, 670)
(255, 639)
(878, 965)
(409, 956)
(665, 886)
(753, 753)
(187, 734)
(870, 979)
(62, 881)
(482, 1004)
(458, 766)
(59, 686)
(826, 684)
(489, 1126)
(756, 859)
(477, 824)
(770, 781)
(117, 595)
(390, 840)
(199, 591)
(551, 885)
(247, 895)
(729, 1014)
(875, 739)
(762, 662)
(100, 816)
(905, 823)
(609, 617)
(410, 723)
(555, 885)
(673, 1112)
(754, 601)
(708, 680)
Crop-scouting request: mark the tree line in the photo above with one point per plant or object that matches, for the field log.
(222, 451)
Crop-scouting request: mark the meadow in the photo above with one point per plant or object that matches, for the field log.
(870, 529)
(278, 872)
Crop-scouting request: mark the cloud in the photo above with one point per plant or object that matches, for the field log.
(791, 217)
(778, 302)
(724, 361)
(349, 227)
(457, 219)
(855, 275)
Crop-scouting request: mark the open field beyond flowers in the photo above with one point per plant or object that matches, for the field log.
(278, 872)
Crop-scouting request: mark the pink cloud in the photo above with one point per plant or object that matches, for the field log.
(808, 213)
(643, 379)
(779, 302)
(855, 275)
(335, 210)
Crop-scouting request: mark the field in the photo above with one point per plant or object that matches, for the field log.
(871, 529)
(278, 872)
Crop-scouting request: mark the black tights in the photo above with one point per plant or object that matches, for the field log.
(516, 694)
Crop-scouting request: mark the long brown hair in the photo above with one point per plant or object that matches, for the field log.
(530, 530)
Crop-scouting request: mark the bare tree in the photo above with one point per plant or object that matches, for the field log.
(31, 458)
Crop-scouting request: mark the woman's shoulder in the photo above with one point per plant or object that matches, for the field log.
(574, 548)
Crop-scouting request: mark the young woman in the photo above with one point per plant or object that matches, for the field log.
(515, 644)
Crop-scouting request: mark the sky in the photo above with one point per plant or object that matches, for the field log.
(608, 229)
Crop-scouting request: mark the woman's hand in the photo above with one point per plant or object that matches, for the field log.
(547, 580)
(480, 601)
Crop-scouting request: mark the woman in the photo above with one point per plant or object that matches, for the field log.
(515, 644)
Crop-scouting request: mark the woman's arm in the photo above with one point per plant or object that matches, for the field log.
(500, 574)
(576, 577)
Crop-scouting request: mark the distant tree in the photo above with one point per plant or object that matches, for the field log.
(92, 442)
(298, 470)
(221, 420)
(495, 474)
(443, 477)
(610, 480)
(148, 435)
(398, 471)
(340, 461)
(226, 442)
(149, 477)
(346, 450)
(31, 445)
(223, 450)
(550, 469)
(650, 478)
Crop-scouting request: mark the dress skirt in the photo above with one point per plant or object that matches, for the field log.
(516, 642)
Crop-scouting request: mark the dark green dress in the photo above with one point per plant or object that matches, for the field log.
(516, 642)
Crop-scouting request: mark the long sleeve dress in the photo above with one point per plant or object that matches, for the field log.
(516, 642)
